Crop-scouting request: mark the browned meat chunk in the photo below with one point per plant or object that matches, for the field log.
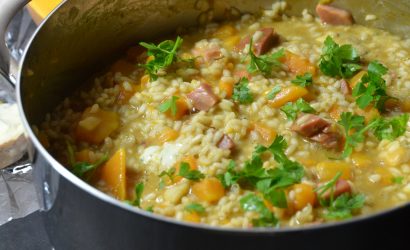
(341, 187)
(226, 143)
(318, 130)
(203, 98)
(268, 40)
(334, 16)
(309, 125)
(329, 140)
(345, 87)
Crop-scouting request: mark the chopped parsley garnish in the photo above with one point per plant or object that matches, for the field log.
(254, 203)
(390, 129)
(328, 187)
(264, 63)
(169, 173)
(195, 208)
(353, 123)
(170, 104)
(241, 92)
(372, 87)
(303, 81)
(272, 94)
(187, 173)
(344, 205)
(164, 54)
(339, 61)
(293, 109)
(271, 182)
(383, 128)
(397, 180)
(81, 168)
(139, 188)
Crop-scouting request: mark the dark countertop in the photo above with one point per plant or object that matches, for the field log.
(24, 234)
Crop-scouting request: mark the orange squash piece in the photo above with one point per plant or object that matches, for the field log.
(304, 195)
(356, 78)
(96, 124)
(182, 109)
(168, 134)
(326, 170)
(127, 90)
(226, 85)
(266, 134)
(209, 190)
(288, 94)
(83, 156)
(192, 217)
(113, 173)
(298, 64)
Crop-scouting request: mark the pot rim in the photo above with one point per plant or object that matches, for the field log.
(64, 172)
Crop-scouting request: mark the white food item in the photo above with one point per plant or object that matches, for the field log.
(166, 155)
(13, 142)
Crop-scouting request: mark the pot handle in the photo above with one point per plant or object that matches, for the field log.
(8, 9)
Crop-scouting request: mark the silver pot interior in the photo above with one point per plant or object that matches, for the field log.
(83, 36)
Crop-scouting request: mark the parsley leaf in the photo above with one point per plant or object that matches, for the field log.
(241, 92)
(292, 109)
(187, 173)
(344, 205)
(139, 188)
(272, 94)
(303, 81)
(329, 186)
(251, 202)
(195, 208)
(264, 63)
(390, 129)
(382, 128)
(352, 122)
(169, 173)
(170, 104)
(81, 168)
(269, 182)
(338, 60)
(372, 87)
(165, 53)
(397, 180)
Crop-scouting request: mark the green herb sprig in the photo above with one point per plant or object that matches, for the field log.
(372, 87)
(264, 63)
(293, 109)
(241, 92)
(339, 61)
(164, 54)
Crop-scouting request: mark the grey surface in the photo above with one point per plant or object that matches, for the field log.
(24, 234)
(17, 193)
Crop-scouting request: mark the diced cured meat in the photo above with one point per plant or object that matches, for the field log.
(341, 187)
(207, 54)
(309, 125)
(203, 98)
(267, 41)
(345, 87)
(226, 143)
(334, 16)
(329, 140)
(318, 130)
(212, 54)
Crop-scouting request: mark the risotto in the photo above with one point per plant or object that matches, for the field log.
(267, 121)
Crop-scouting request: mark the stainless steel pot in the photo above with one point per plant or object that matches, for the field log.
(79, 38)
